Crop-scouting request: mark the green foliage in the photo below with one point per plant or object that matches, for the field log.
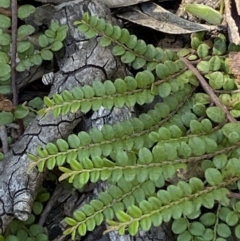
(165, 164)
(27, 54)
(130, 49)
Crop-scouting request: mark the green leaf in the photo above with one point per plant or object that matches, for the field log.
(36, 229)
(145, 224)
(156, 219)
(88, 210)
(196, 228)
(202, 11)
(4, 58)
(237, 204)
(219, 46)
(145, 156)
(36, 59)
(11, 238)
(43, 197)
(105, 41)
(164, 90)
(141, 47)
(50, 34)
(41, 237)
(216, 114)
(61, 35)
(162, 71)
(187, 117)
(90, 223)
(208, 200)
(229, 83)
(14, 226)
(215, 63)
(122, 216)
(37, 208)
(223, 230)
(203, 67)
(118, 50)
(215, 80)
(21, 234)
(133, 227)
(46, 54)
(197, 145)
(73, 141)
(79, 215)
(164, 196)
(196, 184)
(23, 46)
(43, 40)
(5, 40)
(82, 229)
(54, 26)
(5, 4)
(186, 236)
(232, 218)
(25, 30)
(6, 118)
(223, 212)
(36, 103)
(62, 145)
(213, 176)
(5, 22)
(179, 225)
(208, 219)
(220, 161)
(75, 165)
(25, 10)
(20, 112)
(5, 69)
(210, 145)
(138, 63)
(128, 57)
(237, 231)
(209, 234)
(90, 34)
(56, 46)
(202, 50)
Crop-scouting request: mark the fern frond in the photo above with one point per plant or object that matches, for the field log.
(118, 197)
(131, 50)
(128, 91)
(125, 135)
(173, 203)
(151, 164)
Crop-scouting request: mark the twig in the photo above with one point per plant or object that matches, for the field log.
(226, 91)
(55, 196)
(3, 138)
(5, 12)
(14, 52)
(234, 195)
(208, 90)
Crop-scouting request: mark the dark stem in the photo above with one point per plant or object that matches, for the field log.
(5, 12)
(208, 90)
(14, 51)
